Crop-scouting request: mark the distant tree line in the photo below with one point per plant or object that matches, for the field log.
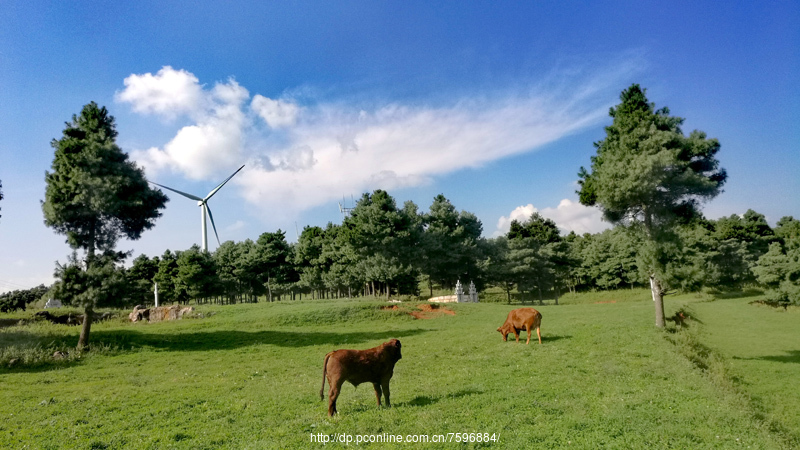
(20, 298)
(383, 250)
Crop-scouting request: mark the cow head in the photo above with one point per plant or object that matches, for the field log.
(392, 348)
(504, 332)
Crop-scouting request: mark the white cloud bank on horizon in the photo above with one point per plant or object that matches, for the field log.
(568, 215)
(302, 156)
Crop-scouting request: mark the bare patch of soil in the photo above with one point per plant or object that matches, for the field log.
(422, 311)
(431, 311)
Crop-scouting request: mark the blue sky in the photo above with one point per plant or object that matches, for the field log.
(493, 104)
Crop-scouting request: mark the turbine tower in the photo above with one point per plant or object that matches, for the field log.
(204, 209)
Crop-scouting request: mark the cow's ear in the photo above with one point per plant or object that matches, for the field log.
(397, 343)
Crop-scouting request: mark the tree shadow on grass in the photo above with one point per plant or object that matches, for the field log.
(115, 341)
(426, 400)
(233, 339)
(793, 356)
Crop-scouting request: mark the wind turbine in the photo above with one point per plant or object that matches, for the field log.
(204, 209)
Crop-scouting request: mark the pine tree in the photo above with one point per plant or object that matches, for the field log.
(648, 174)
(95, 196)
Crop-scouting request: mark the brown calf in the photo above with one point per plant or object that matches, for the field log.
(519, 319)
(375, 365)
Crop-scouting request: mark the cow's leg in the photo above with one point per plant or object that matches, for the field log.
(516, 334)
(377, 387)
(336, 387)
(385, 384)
(539, 333)
(528, 327)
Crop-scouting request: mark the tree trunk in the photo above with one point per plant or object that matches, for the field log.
(658, 300)
(83, 341)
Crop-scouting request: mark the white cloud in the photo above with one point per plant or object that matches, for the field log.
(299, 157)
(520, 214)
(568, 215)
(277, 113)
(168, 93)
(210, 146)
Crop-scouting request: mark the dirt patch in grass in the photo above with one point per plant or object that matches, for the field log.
(428, 311)
(422, 311)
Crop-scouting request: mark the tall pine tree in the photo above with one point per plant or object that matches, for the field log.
(95, 196)
(648, 174)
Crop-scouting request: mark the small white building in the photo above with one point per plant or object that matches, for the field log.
(459, 296)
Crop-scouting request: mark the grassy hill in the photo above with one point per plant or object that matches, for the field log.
(248, 376)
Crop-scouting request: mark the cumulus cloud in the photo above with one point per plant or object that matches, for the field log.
(303, 155)
(168, 93)
(277, 113)
(212, 144)
(520, 214)
(568, 215)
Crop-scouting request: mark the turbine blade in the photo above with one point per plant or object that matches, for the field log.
(193, 197)
(222, 184)
(208, 209)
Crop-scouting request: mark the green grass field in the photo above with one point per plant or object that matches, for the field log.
(248, 376)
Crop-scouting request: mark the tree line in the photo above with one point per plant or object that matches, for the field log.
(383, 250)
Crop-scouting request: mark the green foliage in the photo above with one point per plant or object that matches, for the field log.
(451, 245)
(538, 228)
(606, 260)
(647, 174)
(196, 275)
(788, 230)
(166, 277)
(646, 170)
(538, 258)
(94, 195)
(308, 259)
(103, 284)
(497, 267)
(270, 261)
(779, 271)
(140, 278)
(19, 299)
(384, 238)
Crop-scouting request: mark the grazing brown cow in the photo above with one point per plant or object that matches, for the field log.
(375, 365)
(519, 319)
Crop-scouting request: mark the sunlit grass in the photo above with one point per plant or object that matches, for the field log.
(249, 376)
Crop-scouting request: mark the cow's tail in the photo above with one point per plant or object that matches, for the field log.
(324, 373)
